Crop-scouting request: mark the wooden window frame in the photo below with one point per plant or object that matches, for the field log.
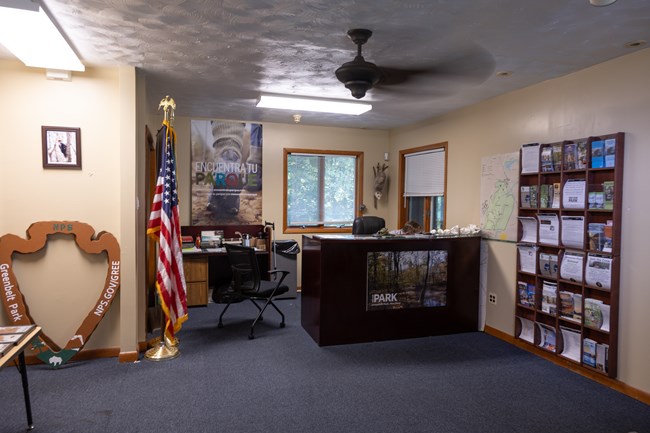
(402, 208)
(358, 199)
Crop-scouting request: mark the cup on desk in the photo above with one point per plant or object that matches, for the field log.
(246, 240)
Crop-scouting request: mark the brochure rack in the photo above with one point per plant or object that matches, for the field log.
(568, 260)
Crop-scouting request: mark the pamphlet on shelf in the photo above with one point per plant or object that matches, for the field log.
(524, 196)
(547, 337)
(581, 154)
(593, 313)
(610, 152)
(533, 196)
(548, 265)
(598, 271)
(522, 292)
(557, 156)
(608, 230)
(571, 266)
(573, 231)
(597, 154)
(555, 196)
(571, 346)
(526, 293)
(527, 330)
(568, 306)
(528, 229)
(589, 352)
(549, 229)
(544, 198)
(573, 195)
(596, 234)
(570, 156)
(527, 258)
(608, 192)
(549, 298)
(530, 158)
(602, 357)
(577, 305)
(547, 159)
(604, 309)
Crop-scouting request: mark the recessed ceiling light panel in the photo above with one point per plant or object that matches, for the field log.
(297, 103)
(35, 40)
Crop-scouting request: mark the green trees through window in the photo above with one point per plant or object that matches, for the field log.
(322, 189)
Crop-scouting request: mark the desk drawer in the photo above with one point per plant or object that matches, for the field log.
(195, 269)
(197, 294)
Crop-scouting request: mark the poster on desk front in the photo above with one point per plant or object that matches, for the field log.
(226, 172)
(406, 279)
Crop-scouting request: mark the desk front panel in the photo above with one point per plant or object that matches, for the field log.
(335, 298)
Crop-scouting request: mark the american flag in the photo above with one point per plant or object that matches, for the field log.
(164, 227)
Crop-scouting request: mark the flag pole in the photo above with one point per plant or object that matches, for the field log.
(164, 348)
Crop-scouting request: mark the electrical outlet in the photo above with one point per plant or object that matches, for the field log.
(492, 297)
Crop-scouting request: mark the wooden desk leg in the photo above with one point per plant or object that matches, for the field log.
(23, 374)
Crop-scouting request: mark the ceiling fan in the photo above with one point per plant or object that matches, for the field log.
(358, 75)
(469, 66)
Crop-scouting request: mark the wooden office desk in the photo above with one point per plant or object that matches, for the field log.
(210, 268)
(19, 351)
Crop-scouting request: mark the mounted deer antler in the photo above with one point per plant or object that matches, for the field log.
(380, 181)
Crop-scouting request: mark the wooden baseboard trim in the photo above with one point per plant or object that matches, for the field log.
(128, 356)
(609, 382)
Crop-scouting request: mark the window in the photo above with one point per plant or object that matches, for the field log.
(322, 190)
(423, 186)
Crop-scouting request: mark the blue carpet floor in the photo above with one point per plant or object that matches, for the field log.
(283, 382)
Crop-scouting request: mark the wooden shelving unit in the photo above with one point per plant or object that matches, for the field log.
(538, 314)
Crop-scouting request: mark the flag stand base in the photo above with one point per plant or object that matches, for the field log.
(162, 353)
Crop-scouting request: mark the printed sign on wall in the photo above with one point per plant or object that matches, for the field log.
(226, 173)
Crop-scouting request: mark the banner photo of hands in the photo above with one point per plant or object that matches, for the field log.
(226, 172)
(14, 302)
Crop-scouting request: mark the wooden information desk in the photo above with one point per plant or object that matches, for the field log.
(363, 288)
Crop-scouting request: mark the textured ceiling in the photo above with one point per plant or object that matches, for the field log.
(216, 57)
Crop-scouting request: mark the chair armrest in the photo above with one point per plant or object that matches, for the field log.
(282, 277)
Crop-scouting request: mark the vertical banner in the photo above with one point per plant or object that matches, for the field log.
(226, 173)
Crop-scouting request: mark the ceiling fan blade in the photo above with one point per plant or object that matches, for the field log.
(447, 75)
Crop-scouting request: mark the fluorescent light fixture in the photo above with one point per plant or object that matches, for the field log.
(32, 37)
(297, 103)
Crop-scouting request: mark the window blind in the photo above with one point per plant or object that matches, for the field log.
(425, 173)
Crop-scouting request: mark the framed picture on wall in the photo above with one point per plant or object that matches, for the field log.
(61, 147)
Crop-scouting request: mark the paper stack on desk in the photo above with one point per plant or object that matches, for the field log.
(211, 238)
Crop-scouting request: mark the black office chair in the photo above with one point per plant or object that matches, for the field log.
(247, 283)
(367, 225)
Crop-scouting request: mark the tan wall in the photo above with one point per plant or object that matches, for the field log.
(607, 98)
(60, 283)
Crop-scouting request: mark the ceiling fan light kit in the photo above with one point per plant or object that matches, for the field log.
(358, 75)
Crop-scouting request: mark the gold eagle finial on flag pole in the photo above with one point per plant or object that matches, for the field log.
(168, 105)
